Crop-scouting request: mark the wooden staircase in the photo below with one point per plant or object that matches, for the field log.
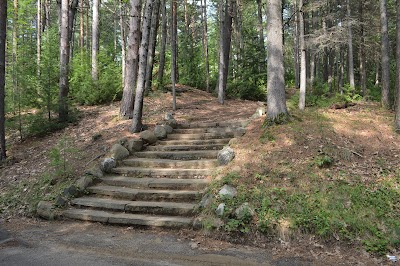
(160, 186)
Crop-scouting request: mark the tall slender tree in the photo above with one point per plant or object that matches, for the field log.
(385, 55)
(95, 40)
(64, 62)
(205, 42)
(163, 43)
(132, 60)
(350, 47)
(143, 52)
(303, 64)
(174, 50)
(397, 119)
(3, 28)
(276, 98)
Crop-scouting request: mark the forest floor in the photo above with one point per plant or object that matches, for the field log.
(358, 143)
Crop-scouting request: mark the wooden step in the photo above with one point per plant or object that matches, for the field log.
(145, 194)
(224, 141)
(165, 163)
(155, 183)
(200, 136)
(127, 218)
(135, 171)
(216, 130)
(185, 147)
(178, 155)
(151, 207)
(238, 123)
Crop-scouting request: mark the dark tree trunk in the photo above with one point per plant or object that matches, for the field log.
(385, 55)
(276, 98)
(205, 42)
(163, 44)
(3, 28)
(363, 70)
(143, 52)
(225, 47)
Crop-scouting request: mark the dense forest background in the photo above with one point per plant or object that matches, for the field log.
(63, 53)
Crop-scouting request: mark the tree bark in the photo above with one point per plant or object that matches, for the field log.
(225, 47)
(350, 47)
(296, 45)
(174, 33)
(303, 65)
(123, 40)
(95, 40)
(14, 56)
(73, 7)
(397, 119)
(363, 71)
(64, 63)
(39, 36)
(205, 42)
(3, 28)
(132, 60)
(385, 55)
(152, 44)
(81, 28)
(261, 34)
(276, 98)
(143, 52)
(163, 44)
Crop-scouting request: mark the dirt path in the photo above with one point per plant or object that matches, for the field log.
(74, 243)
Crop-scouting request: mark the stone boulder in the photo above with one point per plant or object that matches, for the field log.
(135, 145)
(46, 210)
(244, 211)
(148, 137)
(83, 182)
(220, 209)
(119, 152)
(95, 171)
(168, 116)
(239, 132)
(71, 192)
(108, 164)
(206, 200)
(225, 155)
(160, 132)
(172, 123)
(169, 129)
(228, 191)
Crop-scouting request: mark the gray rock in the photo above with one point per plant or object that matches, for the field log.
(46, 210)
(244, 210)
(95, 171)
(168, 116)
(233, 141)
(260, 112)
(135, 145)
(169, 129)
(206, 200)
(220, 209)
(60, 202)
(148, 137)
(119, 152)
(172, 123)
(108, 164)
(160, 132)
(83, 182)
(225, 155)
(123, 142)
(239, 132)
(71, 192)
(228, 191)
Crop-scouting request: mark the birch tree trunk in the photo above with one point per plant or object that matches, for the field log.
(363, 71)
(296, 46)
(261, 33)
(14, 55)
(123, 40)
(350, 47)
(276, 98)
(163, 44)
(303, 65)
(3, 28)
(132, 60)
(38, 36)
(95, 41)
(143, 52)
(64, 61)
(205, 42)
(385, 55)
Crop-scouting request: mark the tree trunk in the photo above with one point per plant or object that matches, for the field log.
(363, 71)
(397, 119)
(163, 44)
(38, 36)
(15, 90)
(261, 34)
(123, 40)
(276, 98)
(152, 44)
(303, 65)
(81, 28)
(225, 47)
(3, 35)
(73, 7)
(64, 67)
(296, 46)
(205, 42)
(350, 44)
(143, 52)
(132, 60)
(174, 51)
(385, 55)
(95, 40)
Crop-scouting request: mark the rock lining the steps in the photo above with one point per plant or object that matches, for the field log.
(119, 152)
(226, 155)
(160, 132)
